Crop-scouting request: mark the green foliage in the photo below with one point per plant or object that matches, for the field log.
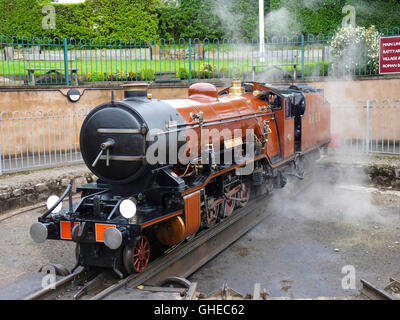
(207, 71)
(325, 16)
(188, 19)
(275, 4)
(109, 19)
(21, 18)
(355, 50)
(382, 14)
(316, 69)
(145, 75)
(183, 73)
(208, 19)
(154, 19)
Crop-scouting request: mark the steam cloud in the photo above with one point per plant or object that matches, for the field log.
(281, 23)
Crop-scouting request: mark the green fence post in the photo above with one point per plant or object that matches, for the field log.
(66, 61)
(190, 60)
(302, 56)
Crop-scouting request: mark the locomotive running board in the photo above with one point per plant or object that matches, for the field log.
(207, 244)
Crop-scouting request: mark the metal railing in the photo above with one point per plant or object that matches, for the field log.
(36, 139)
(56, 61)
(39, 139)
(368, 127)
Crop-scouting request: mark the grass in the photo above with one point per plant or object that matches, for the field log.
(223, 65)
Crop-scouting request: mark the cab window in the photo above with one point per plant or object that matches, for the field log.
(274, 101)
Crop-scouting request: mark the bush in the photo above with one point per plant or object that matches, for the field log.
(98, 19)
(121, 76)
(147, 75)
(95, 76)
(355, 51)
(208, 71)
(183, 73)
(316, 69)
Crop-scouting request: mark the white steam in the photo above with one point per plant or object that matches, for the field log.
(281, 23)
(225, 12)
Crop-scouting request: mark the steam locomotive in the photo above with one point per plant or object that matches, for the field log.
(168, 168)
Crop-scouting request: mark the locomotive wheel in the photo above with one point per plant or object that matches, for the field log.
(212, 215)
(229, 205)
(137, 257)
(244, 194)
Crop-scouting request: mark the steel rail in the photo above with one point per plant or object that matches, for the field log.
(371, 292)
(59, 285)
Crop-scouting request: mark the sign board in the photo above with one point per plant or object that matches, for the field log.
(389, 55)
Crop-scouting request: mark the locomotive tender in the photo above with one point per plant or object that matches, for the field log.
(168, 168)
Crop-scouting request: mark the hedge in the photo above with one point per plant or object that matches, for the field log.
(325, 16)
(110, 19)
(147, 19)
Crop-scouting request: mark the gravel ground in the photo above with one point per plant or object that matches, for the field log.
(20, 256)
(298, 251)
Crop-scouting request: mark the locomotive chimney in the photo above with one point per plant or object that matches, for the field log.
(135, 90)
(236, 89)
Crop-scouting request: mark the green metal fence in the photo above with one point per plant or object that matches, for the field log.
(67, 61)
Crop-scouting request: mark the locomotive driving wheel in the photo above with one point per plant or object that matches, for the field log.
(211, 215)
(137, 257)
(243, 194)
(229, 204)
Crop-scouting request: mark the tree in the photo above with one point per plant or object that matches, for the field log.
(208, 19)
(188, 19)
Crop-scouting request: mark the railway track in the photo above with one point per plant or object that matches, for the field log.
(182, 260)
(371, 292)
(179, 261)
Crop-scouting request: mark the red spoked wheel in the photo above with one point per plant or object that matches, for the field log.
(243, 194)
(137, 257)
(229, 204)
(212, 214)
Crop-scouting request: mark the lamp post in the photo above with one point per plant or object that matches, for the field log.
(261, 22)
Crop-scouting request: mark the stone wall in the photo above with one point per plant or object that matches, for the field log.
(25, 189)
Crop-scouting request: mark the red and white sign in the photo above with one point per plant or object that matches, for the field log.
(389, 59)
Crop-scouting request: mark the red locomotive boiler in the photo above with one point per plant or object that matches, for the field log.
(168, 168)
